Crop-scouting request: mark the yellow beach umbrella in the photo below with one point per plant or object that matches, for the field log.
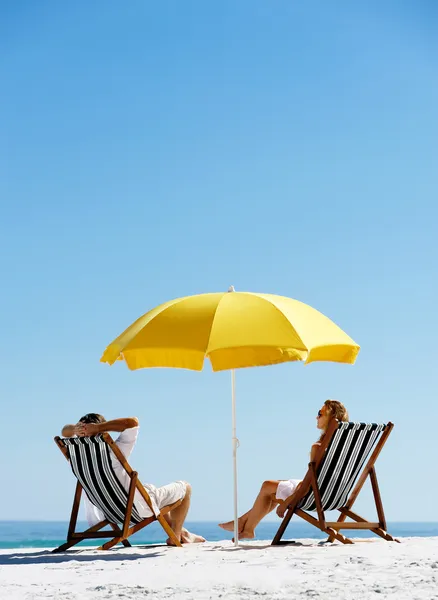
(232, 330)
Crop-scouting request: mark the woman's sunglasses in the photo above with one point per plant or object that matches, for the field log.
(319, 414)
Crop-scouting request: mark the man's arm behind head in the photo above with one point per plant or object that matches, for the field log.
(87, 427)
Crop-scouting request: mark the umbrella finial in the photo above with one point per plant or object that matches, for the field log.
(231, 288)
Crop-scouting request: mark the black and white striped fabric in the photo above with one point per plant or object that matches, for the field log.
(345, 456)
(90, 460)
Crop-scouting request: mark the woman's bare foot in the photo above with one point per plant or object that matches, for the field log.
(246, 535)
(191, 538)
(229, 525)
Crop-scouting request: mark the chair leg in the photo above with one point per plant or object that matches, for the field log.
(335, 534)
(341, 519)
(317, 495)
(130, 503)
(124, 542)
(347, 512)
(163, 524)
(74, 510)
(167, 528)
(378, 531)
(72, 542)
(73, 518)
(385, 535)
(297, 496)
(378, 499)
(127, 520)
(283, 526)
(66, 546)
(108, 545)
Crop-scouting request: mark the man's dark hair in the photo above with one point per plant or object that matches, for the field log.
(92, 418)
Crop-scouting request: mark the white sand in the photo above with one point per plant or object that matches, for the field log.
(376, 569)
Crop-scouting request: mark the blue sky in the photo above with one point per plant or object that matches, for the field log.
(150, 150)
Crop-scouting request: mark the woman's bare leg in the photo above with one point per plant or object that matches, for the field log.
(229, 525)
(263, 505)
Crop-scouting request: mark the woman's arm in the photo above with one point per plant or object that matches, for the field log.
(314, 451)
(283, 505)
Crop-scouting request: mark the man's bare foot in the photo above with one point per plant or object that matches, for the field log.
(246, 535)
(191, 538)
(229, 525)
(170, 543)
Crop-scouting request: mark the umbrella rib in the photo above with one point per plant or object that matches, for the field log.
(304, 348)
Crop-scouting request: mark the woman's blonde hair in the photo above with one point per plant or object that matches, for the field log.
(337, 410)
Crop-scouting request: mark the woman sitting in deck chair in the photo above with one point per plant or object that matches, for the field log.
(273, 492)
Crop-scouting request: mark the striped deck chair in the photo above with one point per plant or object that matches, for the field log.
(330, 478)
(90, 461)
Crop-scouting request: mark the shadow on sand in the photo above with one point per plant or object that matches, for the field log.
(249, 546)
(47, 557)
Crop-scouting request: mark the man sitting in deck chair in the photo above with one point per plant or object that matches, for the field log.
(93, 424)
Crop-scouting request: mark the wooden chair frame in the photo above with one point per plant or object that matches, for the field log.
(118, 535)
(310, 481)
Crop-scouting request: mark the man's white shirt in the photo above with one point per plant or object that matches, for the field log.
(126, 442)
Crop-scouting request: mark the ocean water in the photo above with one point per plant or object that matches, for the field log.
(50, 534)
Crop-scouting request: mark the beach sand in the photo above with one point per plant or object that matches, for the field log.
(373, 569)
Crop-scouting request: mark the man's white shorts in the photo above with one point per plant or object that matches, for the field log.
(170, 493)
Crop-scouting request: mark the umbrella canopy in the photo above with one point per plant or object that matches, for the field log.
(240, 329)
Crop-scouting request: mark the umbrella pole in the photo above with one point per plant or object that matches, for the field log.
(235, 444)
